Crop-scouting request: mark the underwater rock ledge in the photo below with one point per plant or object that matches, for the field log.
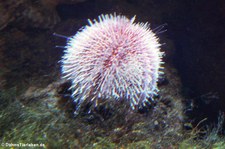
(113, 122)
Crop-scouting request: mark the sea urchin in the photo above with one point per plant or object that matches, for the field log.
(113, 58)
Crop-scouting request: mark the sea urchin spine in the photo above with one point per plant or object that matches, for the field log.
(113, 58)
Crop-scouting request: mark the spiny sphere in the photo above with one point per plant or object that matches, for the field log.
(113, 58)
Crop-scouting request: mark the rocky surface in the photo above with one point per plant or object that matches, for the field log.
(31, 13)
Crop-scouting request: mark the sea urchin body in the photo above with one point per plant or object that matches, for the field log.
(113, 58)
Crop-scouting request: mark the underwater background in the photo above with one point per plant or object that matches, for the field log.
(36, 109)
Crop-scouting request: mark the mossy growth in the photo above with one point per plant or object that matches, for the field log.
(42, 115)
(27, 123)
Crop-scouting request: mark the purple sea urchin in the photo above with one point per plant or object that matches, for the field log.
(113, 58)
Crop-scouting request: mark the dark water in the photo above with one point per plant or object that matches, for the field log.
(198, 32)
